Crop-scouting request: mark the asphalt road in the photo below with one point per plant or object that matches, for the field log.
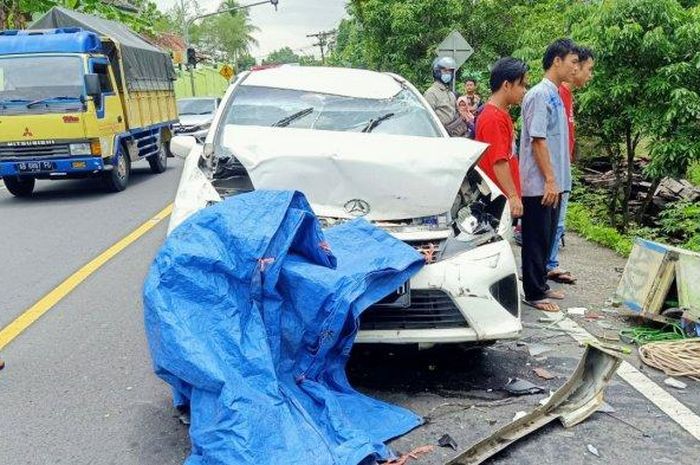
(78, 387)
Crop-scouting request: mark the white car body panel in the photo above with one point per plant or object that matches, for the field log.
(466, 277)
(399, 177)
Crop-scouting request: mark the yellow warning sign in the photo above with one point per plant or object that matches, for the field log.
(226, 72)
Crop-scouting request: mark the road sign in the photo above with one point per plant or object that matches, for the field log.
(226, 72)
(457, 47)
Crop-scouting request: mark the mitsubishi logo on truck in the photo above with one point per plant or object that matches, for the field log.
(357, 207)
(27, 133)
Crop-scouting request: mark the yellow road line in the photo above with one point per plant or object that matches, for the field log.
(36, 311)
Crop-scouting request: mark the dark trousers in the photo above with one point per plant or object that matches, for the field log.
(539, 231)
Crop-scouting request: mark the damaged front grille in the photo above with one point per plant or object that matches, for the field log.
(431, 250)
(429, 309)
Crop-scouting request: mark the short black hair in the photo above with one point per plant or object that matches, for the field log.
(559, 48)
(470, 79)
(507, 69)
(584, 54)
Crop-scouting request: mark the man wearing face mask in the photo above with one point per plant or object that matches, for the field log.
(443, 100)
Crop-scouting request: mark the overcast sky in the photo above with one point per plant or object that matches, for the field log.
(287, 27)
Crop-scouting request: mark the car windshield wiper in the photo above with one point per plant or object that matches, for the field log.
(48, 99)
(4, 102)
(374, 122)
(293, 117)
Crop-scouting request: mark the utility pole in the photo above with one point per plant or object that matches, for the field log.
(323, 42)
(189, 22)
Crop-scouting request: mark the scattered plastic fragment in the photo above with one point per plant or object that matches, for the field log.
(447, 441)
(578, 311)
(521, 387)
(543, 373)
(674, 383)
(591, 448)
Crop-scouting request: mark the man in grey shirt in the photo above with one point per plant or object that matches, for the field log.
(545, 170)
(443, 101)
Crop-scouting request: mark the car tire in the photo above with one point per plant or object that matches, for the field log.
(117, 179)
(19, 186)
(159, 161)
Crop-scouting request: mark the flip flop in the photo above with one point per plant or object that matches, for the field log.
(561, 276)
(543, 305)
(552, 294)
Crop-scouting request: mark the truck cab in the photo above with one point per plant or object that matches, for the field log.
(66, 112)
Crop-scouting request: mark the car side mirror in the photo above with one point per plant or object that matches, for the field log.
(92, 85)
(181, 146)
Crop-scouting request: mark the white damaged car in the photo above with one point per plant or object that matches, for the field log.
(363, 143)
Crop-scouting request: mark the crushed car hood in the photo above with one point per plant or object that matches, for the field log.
(345, 175)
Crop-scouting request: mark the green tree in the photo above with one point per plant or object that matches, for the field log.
(282, 56)
(225, 36)
(646, 90)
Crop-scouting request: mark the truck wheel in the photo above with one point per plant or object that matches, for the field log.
(117, 179)
(159, 161)
(19, 187)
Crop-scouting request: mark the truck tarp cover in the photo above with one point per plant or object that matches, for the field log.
(251, 312)
(146, 67)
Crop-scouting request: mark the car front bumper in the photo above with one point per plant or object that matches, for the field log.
(482, 286)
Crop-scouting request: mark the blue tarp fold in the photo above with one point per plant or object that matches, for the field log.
(251, 312)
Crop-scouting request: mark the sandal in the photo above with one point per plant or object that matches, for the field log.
(557, 295)
(561, 276)
(544, 305)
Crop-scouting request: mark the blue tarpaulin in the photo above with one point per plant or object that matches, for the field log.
(251, 312)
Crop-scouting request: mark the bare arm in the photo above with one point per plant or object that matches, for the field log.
(505, 180)
(543, 159)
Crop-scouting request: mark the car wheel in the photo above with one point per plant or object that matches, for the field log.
(19, 186)
(159, 161)
(117, 179)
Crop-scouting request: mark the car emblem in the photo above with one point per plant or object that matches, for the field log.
(27, 133)
(357, 207)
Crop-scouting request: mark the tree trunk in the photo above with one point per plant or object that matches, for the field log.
(647, 200)
(630, 149)
(615, 190)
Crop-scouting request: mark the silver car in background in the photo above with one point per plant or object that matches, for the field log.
(196, 115)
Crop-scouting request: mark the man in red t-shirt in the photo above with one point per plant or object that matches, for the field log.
(583, 74)
(494, 126)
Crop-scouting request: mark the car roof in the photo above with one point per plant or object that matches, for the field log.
(349, 82)
(196, 98)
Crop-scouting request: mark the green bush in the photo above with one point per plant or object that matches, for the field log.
(578, 219)
(694, 174)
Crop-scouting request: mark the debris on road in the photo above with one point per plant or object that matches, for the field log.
(660, 283)
(522, 387)
(577, 311)
(2, 364)
(591, 448)
(538, 349)
(674, 383)
(543, 373)
(519, 414)
(447, 441)
(676, 358)
(415, 454)
(576, 400)
(606, 408)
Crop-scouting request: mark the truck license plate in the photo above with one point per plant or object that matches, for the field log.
(35, 166)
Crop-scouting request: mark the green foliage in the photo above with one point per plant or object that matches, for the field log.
(682, 221)
(225, 36)
(694, 173)
(579, 219)
(282, 56)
